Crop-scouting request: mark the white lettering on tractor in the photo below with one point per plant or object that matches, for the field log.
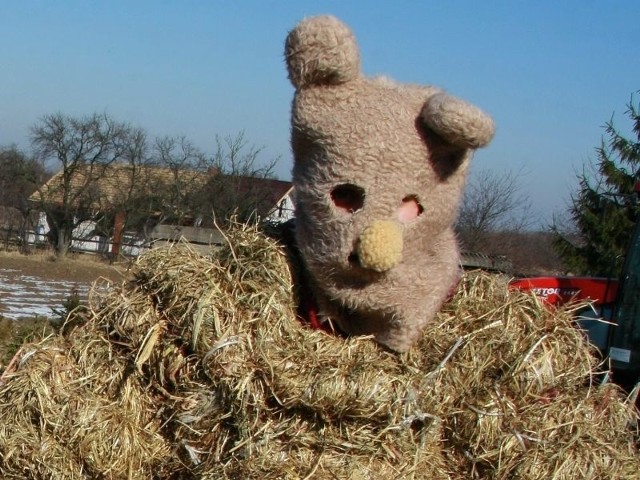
(562, 292)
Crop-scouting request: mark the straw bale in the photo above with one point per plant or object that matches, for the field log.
(528, 406)
(197, 367)
(59, 421)
(296, 448)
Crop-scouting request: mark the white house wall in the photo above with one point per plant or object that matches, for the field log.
(284, 210)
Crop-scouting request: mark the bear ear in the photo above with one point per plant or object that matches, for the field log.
(321, 51)
(457, 122)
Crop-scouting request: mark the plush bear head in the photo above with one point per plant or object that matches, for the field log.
(379, 169)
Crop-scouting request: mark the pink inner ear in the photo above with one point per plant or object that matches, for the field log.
(409, 210)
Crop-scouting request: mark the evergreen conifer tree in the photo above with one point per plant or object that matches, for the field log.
(605, 208)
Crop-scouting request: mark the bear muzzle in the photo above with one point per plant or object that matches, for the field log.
(379, 247)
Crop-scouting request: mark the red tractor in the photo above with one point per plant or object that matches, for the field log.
(612, 321)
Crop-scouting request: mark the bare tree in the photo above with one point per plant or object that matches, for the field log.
(110, 173)
(238, 184)
(235, 156)
(183, 167)
(20, 175)
(492, 203)
(129, 186)
(179, 184)
(83, 149)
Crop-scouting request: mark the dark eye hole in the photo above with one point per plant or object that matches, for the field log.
(348, 197)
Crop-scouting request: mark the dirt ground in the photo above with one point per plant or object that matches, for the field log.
(76, 267)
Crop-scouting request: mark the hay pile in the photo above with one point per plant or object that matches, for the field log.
(198, 368)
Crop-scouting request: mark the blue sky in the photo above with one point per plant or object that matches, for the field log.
(550, 73)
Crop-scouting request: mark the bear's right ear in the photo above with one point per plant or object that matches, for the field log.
(457, 122)
(321, 51)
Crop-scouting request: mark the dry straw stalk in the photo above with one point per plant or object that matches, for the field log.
(197, 367)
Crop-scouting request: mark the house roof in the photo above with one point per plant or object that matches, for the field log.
(102, 187)
(274, 191)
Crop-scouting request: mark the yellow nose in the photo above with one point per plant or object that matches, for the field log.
(380, 245)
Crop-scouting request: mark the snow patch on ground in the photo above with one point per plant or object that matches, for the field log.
(28, 295)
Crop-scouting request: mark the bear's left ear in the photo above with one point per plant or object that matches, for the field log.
(321, 51)
(458, 123)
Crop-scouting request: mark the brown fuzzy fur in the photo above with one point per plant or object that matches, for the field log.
(395, 142)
